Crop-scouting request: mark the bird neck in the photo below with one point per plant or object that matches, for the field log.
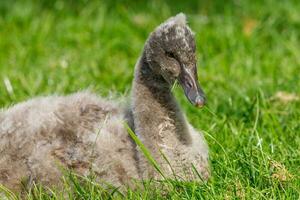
(155, 111)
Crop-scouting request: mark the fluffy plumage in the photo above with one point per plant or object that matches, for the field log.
(85, 132)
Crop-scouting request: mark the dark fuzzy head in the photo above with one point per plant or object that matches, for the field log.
(170, 52)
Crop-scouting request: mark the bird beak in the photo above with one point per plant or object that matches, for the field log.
(192, 90)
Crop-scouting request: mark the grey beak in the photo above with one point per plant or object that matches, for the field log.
(192, 90)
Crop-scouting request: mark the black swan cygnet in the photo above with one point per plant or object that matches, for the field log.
(85, 132)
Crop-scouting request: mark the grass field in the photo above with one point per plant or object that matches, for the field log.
(249, 66)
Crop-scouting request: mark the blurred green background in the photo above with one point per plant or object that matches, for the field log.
(249, 66)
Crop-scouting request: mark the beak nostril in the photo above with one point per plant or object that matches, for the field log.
(189, 84)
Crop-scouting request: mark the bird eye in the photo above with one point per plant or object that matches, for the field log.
(170, 55)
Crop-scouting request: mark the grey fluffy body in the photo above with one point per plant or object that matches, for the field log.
(85, 132)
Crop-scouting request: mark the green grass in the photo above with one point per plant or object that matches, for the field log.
(248, 51)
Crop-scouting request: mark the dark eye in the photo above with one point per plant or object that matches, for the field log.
(170, 55)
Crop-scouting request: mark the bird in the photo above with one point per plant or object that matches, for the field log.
(85, 132)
